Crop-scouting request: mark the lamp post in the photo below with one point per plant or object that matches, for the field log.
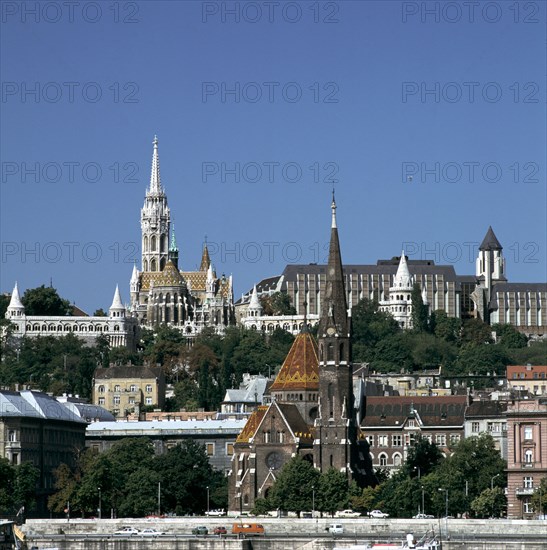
(100, 503)
(159, 498)
(313, 501)
(207, 499)
(423, 505)
(492, 482)
(419, 471)
(445, 502)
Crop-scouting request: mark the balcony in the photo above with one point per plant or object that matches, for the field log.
(523, 491)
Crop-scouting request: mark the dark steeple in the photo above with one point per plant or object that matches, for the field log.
(334, 311)
(490, 241)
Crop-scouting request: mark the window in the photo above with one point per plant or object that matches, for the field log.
(527, 432)
(117, 387)
(229, 449)
(529, 456)
(280, 437)
(12, 436)
(101, 389)
(210, 448)
(149, 388)
(267, 437)
(454, 439)
(528, 482)
(116, 400)
(527, 507)
(382, 441)
(148, 401)
(133, 388)
(397, 440)
(131, 400)
(440, 439)
(397, 459)
(101, 400)
(411, 423)
(475, 427)
(383, 459)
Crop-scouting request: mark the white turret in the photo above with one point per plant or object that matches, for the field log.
(403, 279)
(399, 302)
(16, 309)
(117, 309)
(210, 283)
(255, 307)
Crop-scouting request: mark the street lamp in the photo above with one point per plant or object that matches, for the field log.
(312, 501)
(492, 482)
(445, 502)
(100, 503)
(423, 505)
(207, 499)
(419, 471)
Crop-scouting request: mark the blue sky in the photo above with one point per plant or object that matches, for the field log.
(431, 119)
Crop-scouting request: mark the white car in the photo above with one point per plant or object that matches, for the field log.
(346, 514)
(378, 514)
(423, 516)
(335, 529)
(127, 531)
(149, 532)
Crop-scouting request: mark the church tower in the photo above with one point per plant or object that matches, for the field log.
(155, 220)
(490, 267)
(335, 444)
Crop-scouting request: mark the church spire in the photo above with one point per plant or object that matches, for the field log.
(205, 259)
(16, 307)
(155, 180)
(334, 312)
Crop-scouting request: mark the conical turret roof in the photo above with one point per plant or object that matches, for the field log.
(15, 301)
(490, 241)
(117, 300)
(403, 279)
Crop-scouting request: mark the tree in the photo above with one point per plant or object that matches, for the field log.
(333, 492)
(420, 312)
(429, 351)
(24, 490)
(279, 303)
(480, 360)
(490, 503)
(476, 332)
(100, 313)
(447, 328)
(423, 457)
(293, 489)
(45, 301)
(509, 337)
(7, 480)
(539, 497)
(4, 303)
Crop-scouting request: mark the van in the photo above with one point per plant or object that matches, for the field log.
(247, 529)
(335, 529)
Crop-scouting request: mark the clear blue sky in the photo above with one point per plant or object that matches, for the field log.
(364, 117)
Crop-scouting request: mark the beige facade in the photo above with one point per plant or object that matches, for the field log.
(528, 378)
(526, 454)
(125, 390)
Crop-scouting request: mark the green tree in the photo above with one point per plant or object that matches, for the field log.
(279, 303)
(476, 332)
(429, 351)
(447, 328)
(480, 360)
(420, 312)
(4, 303)
(539, 497)
(490, 503)
(423, 457)
(370, 326)
(45, 301)
(333, 491)
(509, 337)
(7, 481)
(24, 490)
(100, 313)
(535, 354)
(293, 489)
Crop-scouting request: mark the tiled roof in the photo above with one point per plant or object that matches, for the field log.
(170, 276)
(527, 371)
(252, 424)
(196, 279)
(490, 241)
(127, 372)
(300, 370)
(295, 421)
(393, 411)
(485, 409)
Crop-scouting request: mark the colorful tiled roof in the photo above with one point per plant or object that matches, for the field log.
(170, 276)
(300, 370)
(196, 279)
(252, 424)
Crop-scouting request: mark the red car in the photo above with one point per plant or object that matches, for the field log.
(220, 530)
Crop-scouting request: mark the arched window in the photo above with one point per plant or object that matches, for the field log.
(397, 459)
(101, 389)
(383, 459)
(153, 243)
(117, 388)
(330, 396)
(163, 243)
(145, 265)
(330, 352)
(529, 456)
(145, 244)
(153, 265)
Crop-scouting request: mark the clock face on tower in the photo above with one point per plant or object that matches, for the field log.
(274, 461)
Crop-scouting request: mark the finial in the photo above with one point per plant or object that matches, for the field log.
(173, 239)
(205, 239)
(155, 142)
(305, 326)
(333, 207)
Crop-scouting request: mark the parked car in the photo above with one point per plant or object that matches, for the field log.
(346, 514)
(335, 529)
(220, 530)
(200, 530)
(216, 513)
(378, 514)
(149, 532)
(127, 531)
(423, 516)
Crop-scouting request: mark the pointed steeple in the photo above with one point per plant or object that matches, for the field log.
(490, 241)
(16, 307)
(155, 180)
(334, 311)
(135, 274)
(117, 300)
(173, 250)
(205, 260)
(403, 278)
(254, 302)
